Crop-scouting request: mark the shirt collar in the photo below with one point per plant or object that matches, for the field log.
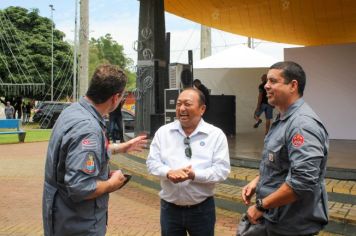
(90, 108)
(201, 128)
(291, 109)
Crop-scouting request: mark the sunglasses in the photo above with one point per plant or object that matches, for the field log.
(188, 149)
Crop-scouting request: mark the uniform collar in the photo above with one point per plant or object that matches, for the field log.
(291, 109)
(90, 108)
(201, 128)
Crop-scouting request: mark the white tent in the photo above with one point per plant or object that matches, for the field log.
(236, 71)
(236, 57)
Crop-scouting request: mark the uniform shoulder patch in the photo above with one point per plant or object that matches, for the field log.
(89, 143)
(89, 164)
(298, 140)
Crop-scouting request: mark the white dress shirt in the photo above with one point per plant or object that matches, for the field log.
(210, 161)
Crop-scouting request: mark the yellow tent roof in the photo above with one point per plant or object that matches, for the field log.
(303, 22)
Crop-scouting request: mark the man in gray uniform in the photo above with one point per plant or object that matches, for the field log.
(77, 178)
(290, 190)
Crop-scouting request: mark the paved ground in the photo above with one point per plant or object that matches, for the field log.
(134, 210)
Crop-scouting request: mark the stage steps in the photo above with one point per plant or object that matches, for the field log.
(342, 193)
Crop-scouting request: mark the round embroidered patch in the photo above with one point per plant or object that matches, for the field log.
(298, 140)
(89, 165)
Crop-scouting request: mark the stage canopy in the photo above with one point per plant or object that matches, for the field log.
(236, 57)
(301, 22)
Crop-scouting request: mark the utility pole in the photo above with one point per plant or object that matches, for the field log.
(250, 43)
(52, 9)
(83, 47)
(205, 42)
(75, 54)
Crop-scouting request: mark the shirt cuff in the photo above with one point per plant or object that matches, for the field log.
(164, 172)
(199, 176)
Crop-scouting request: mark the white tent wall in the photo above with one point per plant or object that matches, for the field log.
(331, 85)
(241, 82)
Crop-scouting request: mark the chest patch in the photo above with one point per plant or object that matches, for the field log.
(89, 165)
(298, 140)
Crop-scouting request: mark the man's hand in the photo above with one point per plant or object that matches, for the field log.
(254, 215)
(181, 175)
(116, 179)
(190, 172)
(249, 190)
(135, 144)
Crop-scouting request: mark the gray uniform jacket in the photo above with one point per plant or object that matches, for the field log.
(295, 152)
(76, 159)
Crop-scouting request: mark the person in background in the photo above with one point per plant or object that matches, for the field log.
(291, 197)
(24, 112)
(28, 112)
(115, 123)
(189, 156)
(263, 106)
(77, 176)
(198, 85)
(18, 107)
(9, 111)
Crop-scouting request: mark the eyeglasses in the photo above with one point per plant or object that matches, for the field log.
(188, 149)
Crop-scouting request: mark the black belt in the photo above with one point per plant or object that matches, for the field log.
(187, 206)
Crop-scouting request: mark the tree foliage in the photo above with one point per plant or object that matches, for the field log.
(25, 52)
(106, 50)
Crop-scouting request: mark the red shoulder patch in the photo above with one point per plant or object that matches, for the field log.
(298, 140)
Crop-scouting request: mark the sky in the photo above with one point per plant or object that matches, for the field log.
(120, 19)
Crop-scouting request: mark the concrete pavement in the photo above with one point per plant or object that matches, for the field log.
(134, 210)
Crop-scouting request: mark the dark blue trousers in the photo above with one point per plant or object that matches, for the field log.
(197, 220)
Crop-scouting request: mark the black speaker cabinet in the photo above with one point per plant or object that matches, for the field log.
(170, 98)
(186, 78)
(157, 120)
(222, 113)
(169, 116)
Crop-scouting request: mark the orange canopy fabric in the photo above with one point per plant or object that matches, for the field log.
(302, 22)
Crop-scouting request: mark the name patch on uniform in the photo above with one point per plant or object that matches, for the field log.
(298, 140)
(89, 165)
(88, 143)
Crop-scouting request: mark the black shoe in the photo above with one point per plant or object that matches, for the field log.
(257, 123)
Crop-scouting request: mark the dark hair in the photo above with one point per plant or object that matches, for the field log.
(200, 95)
(292, 71)
(197, 82)
(107, 80)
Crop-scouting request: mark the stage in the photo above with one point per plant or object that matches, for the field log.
(246, 148)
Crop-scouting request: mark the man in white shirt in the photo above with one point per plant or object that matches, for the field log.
(189, 156)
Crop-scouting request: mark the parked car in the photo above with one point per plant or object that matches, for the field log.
(47, 113)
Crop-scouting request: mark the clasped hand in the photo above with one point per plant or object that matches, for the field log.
(181, 175)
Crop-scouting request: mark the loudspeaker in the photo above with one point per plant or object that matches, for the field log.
(157, 120)
(180, 75)
(186, 78)
(170, 99)
(169, 116)
(222, 113)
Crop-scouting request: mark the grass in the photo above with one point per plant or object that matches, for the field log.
(33, 134)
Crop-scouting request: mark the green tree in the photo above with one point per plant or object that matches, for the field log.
(25, 53)
(106, 50)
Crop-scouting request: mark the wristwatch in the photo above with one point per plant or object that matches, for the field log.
(259, 205)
